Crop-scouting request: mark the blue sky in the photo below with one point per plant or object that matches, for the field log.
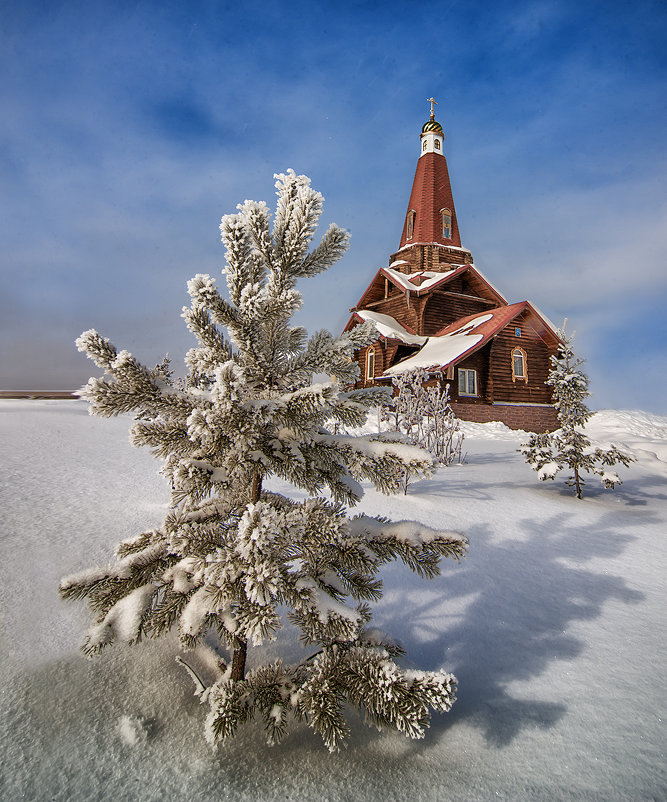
(130, 128)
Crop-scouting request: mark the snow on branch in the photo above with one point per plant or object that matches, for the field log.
(122, 622)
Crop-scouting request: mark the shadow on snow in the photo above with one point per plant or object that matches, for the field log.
(503, 617)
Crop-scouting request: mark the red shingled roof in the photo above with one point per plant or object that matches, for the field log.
(431, 192)
(498, 318)
(501, 316)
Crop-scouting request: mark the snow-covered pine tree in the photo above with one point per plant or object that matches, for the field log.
(568, 447)
(231, 554)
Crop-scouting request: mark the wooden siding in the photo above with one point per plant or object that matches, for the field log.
(537, 364)
(445, 307)
(397, 306)
(430, 257)
(479, 361)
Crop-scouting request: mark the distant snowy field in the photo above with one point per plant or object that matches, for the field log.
(554, 625)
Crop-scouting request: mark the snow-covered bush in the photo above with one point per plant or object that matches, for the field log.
(231, 554)
(423, 413)
(568, 447)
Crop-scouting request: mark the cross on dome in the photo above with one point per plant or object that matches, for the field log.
(432, 125)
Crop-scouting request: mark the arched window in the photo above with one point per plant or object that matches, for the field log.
(410, 224)
(446, 223)
(370, 364)
(437, 144)
(519, 365)
(425, 145)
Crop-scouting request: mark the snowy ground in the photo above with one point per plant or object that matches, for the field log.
(554, 625)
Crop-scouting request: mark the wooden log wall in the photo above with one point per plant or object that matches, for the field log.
(537, 364)
(446, 307)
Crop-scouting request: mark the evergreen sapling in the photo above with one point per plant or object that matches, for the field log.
(423, 413)
(568, 447)
(231, 554)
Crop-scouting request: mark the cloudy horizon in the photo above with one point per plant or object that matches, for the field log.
(130, 130)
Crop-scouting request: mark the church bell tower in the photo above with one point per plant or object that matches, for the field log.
(430, 239)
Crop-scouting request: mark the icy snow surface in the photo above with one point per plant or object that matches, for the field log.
(554, 626)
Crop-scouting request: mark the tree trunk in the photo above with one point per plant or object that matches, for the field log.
(256, 489)
(238, 661)
(241, 651)
(577, 481)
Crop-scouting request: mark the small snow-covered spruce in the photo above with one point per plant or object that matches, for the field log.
(421, 410)
(568, 447)
(230, 554)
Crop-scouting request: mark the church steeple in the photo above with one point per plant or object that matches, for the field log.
(431, 216)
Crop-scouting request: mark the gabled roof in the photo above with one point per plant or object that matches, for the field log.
(426, 281)
(463, 337)
(422, 282)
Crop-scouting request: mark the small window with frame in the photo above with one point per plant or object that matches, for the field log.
(370, 364)
(519, 365)
(467, 382)
(410, 224)
(446, 223)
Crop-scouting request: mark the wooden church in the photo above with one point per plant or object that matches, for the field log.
(434, 309)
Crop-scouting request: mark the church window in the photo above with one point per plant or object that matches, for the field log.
(370, 364)
(437, 144)
(411, 224)
(446, 223)
(467, 382)
(519, 368)
(425, 145)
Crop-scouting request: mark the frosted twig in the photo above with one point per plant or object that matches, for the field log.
(201, 688)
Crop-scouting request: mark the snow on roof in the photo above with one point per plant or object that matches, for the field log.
(419, 282)
(494, 320)
(472, 324)
(440, 351)
(399, 262)
(390, 328)
(439, 244)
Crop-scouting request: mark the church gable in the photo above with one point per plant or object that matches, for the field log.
(376, 291)
(520, 360)
(466, 294)
(428, 300)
